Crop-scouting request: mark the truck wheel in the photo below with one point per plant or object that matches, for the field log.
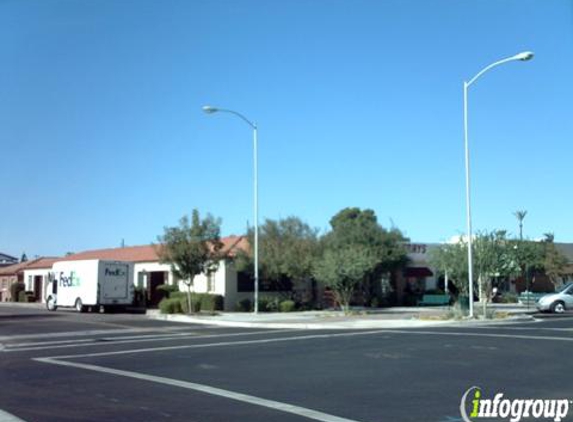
(79, 305)
(558, 307)
(51, 304)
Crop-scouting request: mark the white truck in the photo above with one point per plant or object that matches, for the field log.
(94, 283)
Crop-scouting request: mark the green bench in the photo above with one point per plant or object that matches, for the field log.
(434, 300)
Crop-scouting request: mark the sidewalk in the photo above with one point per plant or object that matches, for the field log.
(398, 317)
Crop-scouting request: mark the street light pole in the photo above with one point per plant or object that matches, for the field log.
(209, 110)
(527, 55)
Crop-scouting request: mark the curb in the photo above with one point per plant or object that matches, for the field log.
(346, 325)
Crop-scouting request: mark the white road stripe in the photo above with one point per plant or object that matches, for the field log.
(110, 341)
(223, 343)
(314, 336)
(469, 334)
(58, 342)
(245, 398)
(7, 417)
(84, 333)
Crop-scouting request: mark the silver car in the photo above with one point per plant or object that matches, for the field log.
(557, 302)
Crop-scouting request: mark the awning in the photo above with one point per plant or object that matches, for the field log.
(418, 272)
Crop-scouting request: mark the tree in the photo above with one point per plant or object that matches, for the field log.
(520, 215)
(191, 249)
(23, 258)
(452, 259)
(554, 262)
(343, 269)
(494, 258)
(287, 250)
(357, 252)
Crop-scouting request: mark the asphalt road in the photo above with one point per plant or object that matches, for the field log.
(89, 367)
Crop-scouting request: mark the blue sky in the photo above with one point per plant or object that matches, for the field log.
(359, 103)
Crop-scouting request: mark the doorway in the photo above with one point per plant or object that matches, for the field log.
(155, 279)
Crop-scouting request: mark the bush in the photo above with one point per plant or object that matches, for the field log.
(168, 289)
(287, 306)
(21, 296)
(170, 306)
(195, 302)
(211, 302)
(508, 298)
(268, 304)
(15, 290)
(200, 301)
(243, 306)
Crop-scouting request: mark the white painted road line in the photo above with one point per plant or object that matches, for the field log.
(84, 333)
(7, 348)
(245, 398)
(7, 417)
(223, 343)
(469, 334)
(296, 338)
(115, 338)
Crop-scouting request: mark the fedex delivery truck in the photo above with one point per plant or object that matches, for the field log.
(93, 283)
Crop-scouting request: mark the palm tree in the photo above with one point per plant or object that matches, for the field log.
(520, 215)
(549, 237)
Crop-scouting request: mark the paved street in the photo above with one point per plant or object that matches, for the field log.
(65, 366)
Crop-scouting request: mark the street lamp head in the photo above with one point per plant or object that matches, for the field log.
(210, 109)
(524, 56)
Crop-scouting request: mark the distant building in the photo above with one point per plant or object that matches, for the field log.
(15, 273)
(6, 260)
(150, 273)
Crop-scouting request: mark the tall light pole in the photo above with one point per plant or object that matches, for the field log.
(526, 55)
(209, 110)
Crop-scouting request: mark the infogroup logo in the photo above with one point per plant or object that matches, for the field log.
(513, 410)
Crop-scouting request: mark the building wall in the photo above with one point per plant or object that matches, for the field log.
(29, 276)
(224, 278)
(5, 282)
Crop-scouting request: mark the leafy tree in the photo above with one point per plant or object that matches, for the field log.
(554, 262)
(452, 258)
(497, 256)
(494, 257)
(343, 269)
(357, 252)
(287, 250)
(191, 249)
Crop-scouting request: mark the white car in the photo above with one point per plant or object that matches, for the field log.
(557, 302)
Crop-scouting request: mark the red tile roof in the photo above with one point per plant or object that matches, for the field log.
(43, 263)
(148, 253)
(38, 263)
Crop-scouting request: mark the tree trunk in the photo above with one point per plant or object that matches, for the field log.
(189, 301)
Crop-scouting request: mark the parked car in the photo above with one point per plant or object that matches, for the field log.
(557, 302)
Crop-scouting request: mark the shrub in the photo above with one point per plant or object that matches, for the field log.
(22, 296)
(211, 302)
(287, 306)
(170, 306)
(195, 302)
(508, 298)
(268, 304)
(15, 290)
(168, 289)
(243, 306)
